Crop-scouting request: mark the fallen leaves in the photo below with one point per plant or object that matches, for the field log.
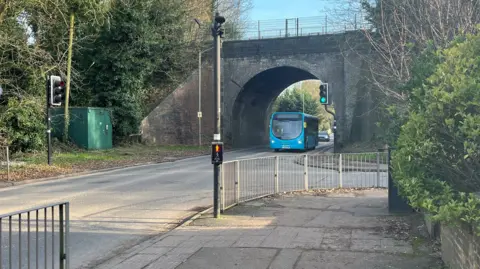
(398, 228)
(32, 171)
(88, 162)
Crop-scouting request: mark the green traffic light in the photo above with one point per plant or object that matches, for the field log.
(323, 100)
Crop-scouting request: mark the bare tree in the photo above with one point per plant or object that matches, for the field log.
(235, 10)
(236, 13)
(401, 28)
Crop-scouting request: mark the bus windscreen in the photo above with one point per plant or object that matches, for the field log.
(287, 126)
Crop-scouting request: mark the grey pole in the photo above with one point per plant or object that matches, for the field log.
(216, 33)
(335, 150)
(217, 88)
(200, 95)
(49, 123)
(199, 98)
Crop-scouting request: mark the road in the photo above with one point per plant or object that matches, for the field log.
(115, 210)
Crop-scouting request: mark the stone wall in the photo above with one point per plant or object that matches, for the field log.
(460, 248)
(247, 90)
(250, 83)
(175, 120)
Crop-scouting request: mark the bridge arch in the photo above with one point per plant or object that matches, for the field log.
(252, 105)
(251, 86)
(251, 65)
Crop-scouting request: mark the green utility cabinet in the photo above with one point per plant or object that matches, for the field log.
(90, 127)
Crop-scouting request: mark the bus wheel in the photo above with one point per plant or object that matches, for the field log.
(276, 150)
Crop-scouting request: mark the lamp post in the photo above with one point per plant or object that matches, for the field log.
(200, 95)
(303, 102)
(199, 114)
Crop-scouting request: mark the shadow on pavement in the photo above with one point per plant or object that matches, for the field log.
(300, 230)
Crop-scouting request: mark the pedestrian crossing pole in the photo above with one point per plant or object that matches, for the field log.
(217, 144)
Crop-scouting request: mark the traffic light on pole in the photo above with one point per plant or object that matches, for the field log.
(56, 91)
(324, 93)
(217, 152)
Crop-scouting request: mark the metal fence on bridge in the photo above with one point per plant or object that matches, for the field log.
(248, 179)
(318, 25)
(35, 238)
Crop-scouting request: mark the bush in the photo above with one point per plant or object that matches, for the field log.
(23, 122)
(438, 158)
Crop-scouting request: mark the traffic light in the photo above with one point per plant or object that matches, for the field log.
(324, 93)
(56, 91)
(217, 152)
(217, 29)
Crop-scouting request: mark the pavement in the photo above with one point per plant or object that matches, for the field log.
(349, 230)
(114, 210)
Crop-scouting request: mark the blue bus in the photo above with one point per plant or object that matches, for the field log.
(293, 130)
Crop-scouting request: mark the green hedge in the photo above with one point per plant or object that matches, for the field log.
(437, 164)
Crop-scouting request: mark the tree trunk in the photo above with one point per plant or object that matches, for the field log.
(69, 69)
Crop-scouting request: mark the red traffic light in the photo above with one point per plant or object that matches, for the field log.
(217, 153)
(59, 84)
(56, 90)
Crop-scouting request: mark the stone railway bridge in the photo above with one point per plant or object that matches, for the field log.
(254, 73)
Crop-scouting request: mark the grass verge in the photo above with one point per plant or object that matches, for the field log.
(67, 159)
(364, 151)
(362, 147)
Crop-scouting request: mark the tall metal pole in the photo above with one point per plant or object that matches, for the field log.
(48, 119)
(303, 102)
(216, 33)
(218, 87)
(334, 130)
(200, 95)
(200, 98)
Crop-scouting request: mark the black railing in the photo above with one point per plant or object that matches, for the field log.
(292, 27)
(35, 238)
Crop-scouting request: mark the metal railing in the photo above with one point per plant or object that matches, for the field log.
(318, 25)
(248, 179)
(4, 163)
(35, 238)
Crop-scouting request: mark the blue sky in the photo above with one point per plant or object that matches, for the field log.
(280, 9)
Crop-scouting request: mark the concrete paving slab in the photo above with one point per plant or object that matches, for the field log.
(137, 261)
(172, 241)
(359, 260)
(285, 259)
(295, 217)
(337, 233)
(271, 233)
(171, 259)
(231, 258)
(281, 237)
(236, 220)
(156, 250)
(366, 234)
(197, 240)
(222, 241)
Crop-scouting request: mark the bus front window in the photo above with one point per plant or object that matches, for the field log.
(287, 126)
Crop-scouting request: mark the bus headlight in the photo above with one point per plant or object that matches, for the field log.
(273, 141)
(299, 141)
